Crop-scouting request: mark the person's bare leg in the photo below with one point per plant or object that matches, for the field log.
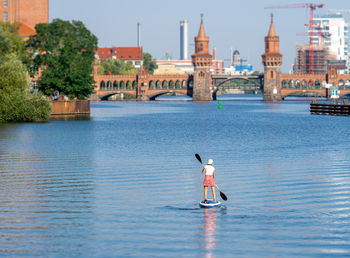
(213, 190)
(205, 193)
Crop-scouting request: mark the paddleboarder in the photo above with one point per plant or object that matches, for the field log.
(209, 179)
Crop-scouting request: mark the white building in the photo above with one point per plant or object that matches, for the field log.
(334, 31)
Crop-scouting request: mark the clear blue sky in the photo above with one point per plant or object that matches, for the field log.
(241, 24)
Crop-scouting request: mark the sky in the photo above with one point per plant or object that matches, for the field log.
(240, 24)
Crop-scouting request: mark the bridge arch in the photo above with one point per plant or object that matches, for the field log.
(317, 84)
(184, 84)
(102, 85)
(122, 85)
(164, 84)
(128, 85)
(347, 84)
(166, 91)
(106, 96)
(151, 85)
(291, 84)
(171, 84)
(341, 84)
(134, 84)
(284, 84)
(304, 84)
(109, 85)
(177, 84)
(158, 84)
(221, 84)
(115, 85)
(310, 84)
(299, 92)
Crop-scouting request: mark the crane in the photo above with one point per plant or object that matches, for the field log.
(312, 8)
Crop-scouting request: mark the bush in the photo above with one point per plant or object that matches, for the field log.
(17, 104)
(21, 106)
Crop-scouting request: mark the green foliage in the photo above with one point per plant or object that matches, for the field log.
(5, 44)
(13, 74)
(17, 104)
(65, 52)
(149, 63)
(116, 67)
(21, 106)
(17, 45)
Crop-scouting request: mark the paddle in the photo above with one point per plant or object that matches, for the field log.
(222, 195)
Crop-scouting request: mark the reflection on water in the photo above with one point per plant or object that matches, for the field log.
(209, 232)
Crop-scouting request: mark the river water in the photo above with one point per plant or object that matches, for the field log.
(126, 183)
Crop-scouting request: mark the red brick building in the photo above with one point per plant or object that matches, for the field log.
(27, 13)
(128, 54)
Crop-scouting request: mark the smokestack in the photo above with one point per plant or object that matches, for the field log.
(138, 34)
(214, 53)
(184, 40)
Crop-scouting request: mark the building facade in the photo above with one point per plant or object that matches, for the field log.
(131, 55)
(331, 31)
(27, 13)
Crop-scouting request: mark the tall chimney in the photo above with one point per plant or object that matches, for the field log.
(138, 34)
(184, 40)
(214, 53)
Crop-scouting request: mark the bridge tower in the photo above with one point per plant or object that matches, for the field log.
(272, 60)
(202, 59)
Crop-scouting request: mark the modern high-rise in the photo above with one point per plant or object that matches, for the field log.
(184, 40)
(332, 30)
(27, 13)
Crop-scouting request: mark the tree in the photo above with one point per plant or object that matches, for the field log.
(17, 44)
(64, 51)
(17, 103)
(149, 63)
(116, 67)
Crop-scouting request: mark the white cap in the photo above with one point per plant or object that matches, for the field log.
(210, 162)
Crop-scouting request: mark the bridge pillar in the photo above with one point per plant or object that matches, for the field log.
(272, 87)
(142, 98)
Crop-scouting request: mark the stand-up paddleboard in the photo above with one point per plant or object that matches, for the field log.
(209, 204)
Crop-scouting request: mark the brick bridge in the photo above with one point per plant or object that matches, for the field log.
(143, 86)
(314, 84)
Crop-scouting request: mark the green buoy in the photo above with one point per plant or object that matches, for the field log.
(219, 103)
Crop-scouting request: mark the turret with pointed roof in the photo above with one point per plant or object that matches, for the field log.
(202, 59)
(272, 59)
(201, 41)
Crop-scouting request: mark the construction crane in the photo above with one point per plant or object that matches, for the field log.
(312, 8)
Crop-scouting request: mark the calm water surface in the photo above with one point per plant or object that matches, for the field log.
(126, 183)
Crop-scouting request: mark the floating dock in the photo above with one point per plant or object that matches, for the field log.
(339, 108)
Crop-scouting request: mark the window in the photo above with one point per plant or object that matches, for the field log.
(5, 17)
(271, 74)
(201, 74)
(5, 3)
